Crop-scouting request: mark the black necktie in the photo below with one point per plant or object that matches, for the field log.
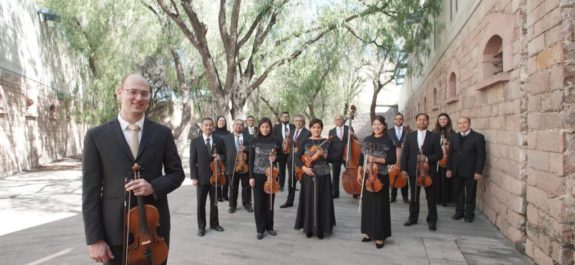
(209, 146)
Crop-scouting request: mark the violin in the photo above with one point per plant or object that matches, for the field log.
(286, 145)
(241, 162)
(395, 179)
(298, 173)
(271, 186)
(145, 247)
(373, 183)
(218, 169)
(445, 149)
(313, 153)
(423, 177)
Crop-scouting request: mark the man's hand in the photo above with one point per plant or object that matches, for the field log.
(477, 176)
(194, 182)
(100, 252)
(140, 187)
(216, 156)
(404, 174)
(252, 182)
(449, 174)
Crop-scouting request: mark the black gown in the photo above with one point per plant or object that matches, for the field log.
(314, 220)
(375, 211)
(259, 151)
(444, 190)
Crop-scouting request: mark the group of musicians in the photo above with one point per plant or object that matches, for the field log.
(452, 162)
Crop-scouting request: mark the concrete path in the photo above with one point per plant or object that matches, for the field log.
(41, 223)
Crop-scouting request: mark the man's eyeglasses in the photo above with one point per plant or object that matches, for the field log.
(134, 92)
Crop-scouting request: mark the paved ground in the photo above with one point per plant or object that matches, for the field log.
(41, 224)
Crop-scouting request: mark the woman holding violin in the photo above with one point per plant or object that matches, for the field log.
(263, 150)
(315, 213)
(445, 190)
(377, 153)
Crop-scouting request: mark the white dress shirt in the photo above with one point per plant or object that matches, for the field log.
(127, 132)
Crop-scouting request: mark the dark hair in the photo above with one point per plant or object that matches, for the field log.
(421, 113)
(466, 117)
(382, 120)
(225, 122)
(207, 119)
(262, 121)
(250, 116)
(448, 130)
(285, 112)
(398, 114)
(314, 121)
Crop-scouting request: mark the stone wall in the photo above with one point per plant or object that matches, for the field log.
(39, 80)
(509, 66)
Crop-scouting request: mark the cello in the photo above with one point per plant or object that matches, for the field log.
(145, 246)
(351, 153)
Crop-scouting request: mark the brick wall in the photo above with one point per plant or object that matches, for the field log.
(40, 82)
(526, 111)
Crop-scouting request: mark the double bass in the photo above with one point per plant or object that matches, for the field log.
(142, 245)
(351, 153)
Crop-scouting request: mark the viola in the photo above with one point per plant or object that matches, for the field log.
(395, 179)
(423, 177)
(241, 163)
(146, 247)
(313, 153)
(217, 166)
(286, 145)
(271, 186)
(373, 183)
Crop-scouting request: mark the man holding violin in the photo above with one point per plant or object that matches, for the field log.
(204, 150)
(297, 136)
(110, 151)
(421, 147)
(282, 132)
(237, 165)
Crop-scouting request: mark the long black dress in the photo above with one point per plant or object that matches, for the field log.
(315, 212)
(260, 149)
(445, 190)
(375, 212)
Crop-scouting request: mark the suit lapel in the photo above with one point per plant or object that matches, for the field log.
(119, 137)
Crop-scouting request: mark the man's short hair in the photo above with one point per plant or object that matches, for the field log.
(398, 114)
(466, 117)
(207, 119)
(285, 112)
(420, 114)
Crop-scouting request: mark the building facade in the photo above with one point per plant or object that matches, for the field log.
(509, 65)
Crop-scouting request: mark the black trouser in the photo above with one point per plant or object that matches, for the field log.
(202, 194)
(246, 190)
(282, 161)
(465, 189)
(336, 170)
(262, 212)
(291, 183)
(117, 251)
(404, 192)
(429, 196)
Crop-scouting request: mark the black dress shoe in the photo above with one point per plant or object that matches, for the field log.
(468, 219)
(232, 210)
(432, 227)
(366, 239)
(406, 200)
(335, 195)
(392, 200)
(220, 199)
(201, 232)
(456, 216)
(272, 233)
(309, 235)
(217, 228)
(409, 223)
(378, 245)
(286, 205)
(320, 236)
(259, 236)
(249, 208)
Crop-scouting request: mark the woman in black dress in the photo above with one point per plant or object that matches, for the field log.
(221, 131)
(315, 212)
(377, 148)
(262, 150)
(445, 190)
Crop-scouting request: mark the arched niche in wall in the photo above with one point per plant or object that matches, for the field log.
(495, 56)
(452, 88)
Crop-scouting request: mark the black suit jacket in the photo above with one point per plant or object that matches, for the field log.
(335, 151)
(278, 134)
(468, 158)
(107, 161)
(231, 151)
(200, 158)
(431, 149)
(393, 136)
(304, 134)
(247, 130)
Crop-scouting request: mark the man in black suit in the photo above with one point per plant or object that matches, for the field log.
(397, 134)
(251, 128)
(235, 143)
(299, 134)
(335, 152)
(281, 131)
(428, 143)
(465, 164)
(203, 150)
(110, 151)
